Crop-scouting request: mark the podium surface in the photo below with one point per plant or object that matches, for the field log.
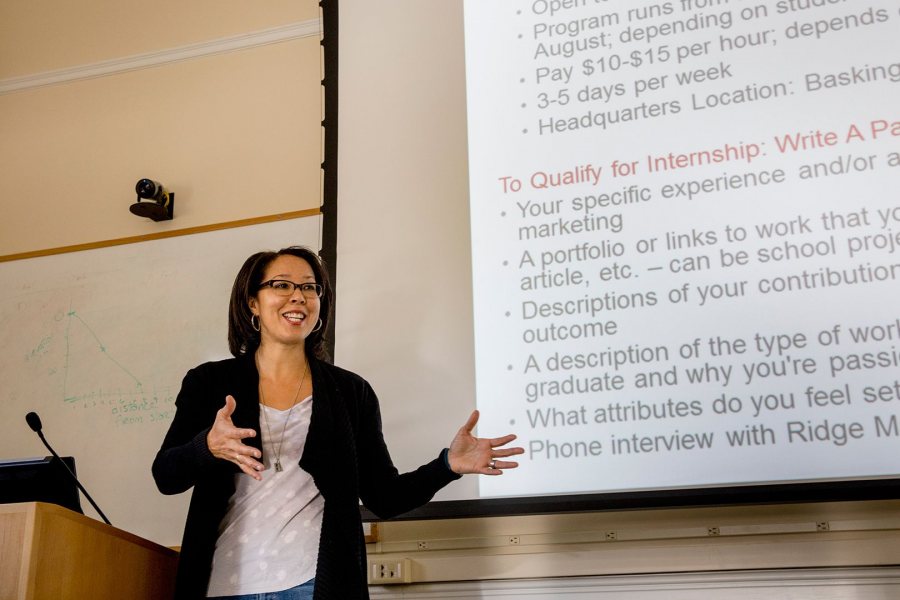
(47, 551)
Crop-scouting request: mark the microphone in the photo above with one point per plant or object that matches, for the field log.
(34, 421)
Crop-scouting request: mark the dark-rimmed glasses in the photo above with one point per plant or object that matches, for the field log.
(283, 287)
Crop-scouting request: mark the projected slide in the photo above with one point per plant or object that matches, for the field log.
(686, 240)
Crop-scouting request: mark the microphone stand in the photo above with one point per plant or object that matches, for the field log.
(78, 483)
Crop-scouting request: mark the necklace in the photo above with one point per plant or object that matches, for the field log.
(278, 467)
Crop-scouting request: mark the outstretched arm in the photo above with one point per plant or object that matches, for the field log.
(388, 493)
(470, 454)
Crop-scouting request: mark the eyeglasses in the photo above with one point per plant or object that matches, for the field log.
(283, 287)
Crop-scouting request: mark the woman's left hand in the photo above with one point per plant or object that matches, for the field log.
(469, 454)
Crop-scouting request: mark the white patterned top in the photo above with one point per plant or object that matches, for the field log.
(269, 537)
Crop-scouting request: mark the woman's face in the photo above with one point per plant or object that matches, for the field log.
(286, 319)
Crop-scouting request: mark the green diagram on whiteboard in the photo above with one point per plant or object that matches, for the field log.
(89, 375)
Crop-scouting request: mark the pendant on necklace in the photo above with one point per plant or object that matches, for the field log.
(278, 466)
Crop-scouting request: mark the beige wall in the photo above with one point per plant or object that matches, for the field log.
(233, 130)
(43, 36)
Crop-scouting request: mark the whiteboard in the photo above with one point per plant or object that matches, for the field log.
(97, 343)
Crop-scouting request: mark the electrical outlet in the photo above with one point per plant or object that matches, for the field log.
(611, 536)
(514, 540)
(422, 545)
(390, 571)
(822, 526)
(712, 531)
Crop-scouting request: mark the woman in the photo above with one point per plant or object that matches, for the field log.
(279, 446)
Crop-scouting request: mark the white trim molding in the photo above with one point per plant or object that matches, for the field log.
(244, 41)
(783, 584)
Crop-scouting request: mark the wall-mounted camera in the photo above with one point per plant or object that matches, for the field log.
(158, 202)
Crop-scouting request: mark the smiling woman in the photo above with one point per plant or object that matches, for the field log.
(271, 505)
(265, 293)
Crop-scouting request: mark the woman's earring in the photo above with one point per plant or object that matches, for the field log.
(318, 326)
(254, 322)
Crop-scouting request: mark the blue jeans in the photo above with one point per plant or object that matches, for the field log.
(304, 591)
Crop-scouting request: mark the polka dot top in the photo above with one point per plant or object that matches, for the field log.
(269, 538)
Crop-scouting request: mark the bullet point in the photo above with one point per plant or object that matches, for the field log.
(507, 313)
(505, 263)
(512, 421)
(524, 131)
(509, 367)
(522, 80)
(518, 12)
(503, 214)
(524, 105)
(520, 36)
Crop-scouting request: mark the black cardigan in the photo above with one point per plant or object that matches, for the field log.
(345, 453)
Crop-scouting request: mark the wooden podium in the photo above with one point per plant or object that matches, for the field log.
(49, 552)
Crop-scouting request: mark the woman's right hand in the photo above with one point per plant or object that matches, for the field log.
(224, 441)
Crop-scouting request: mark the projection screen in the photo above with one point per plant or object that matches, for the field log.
(665, 255)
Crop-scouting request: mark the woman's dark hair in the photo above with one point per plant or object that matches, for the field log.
(242, 337)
